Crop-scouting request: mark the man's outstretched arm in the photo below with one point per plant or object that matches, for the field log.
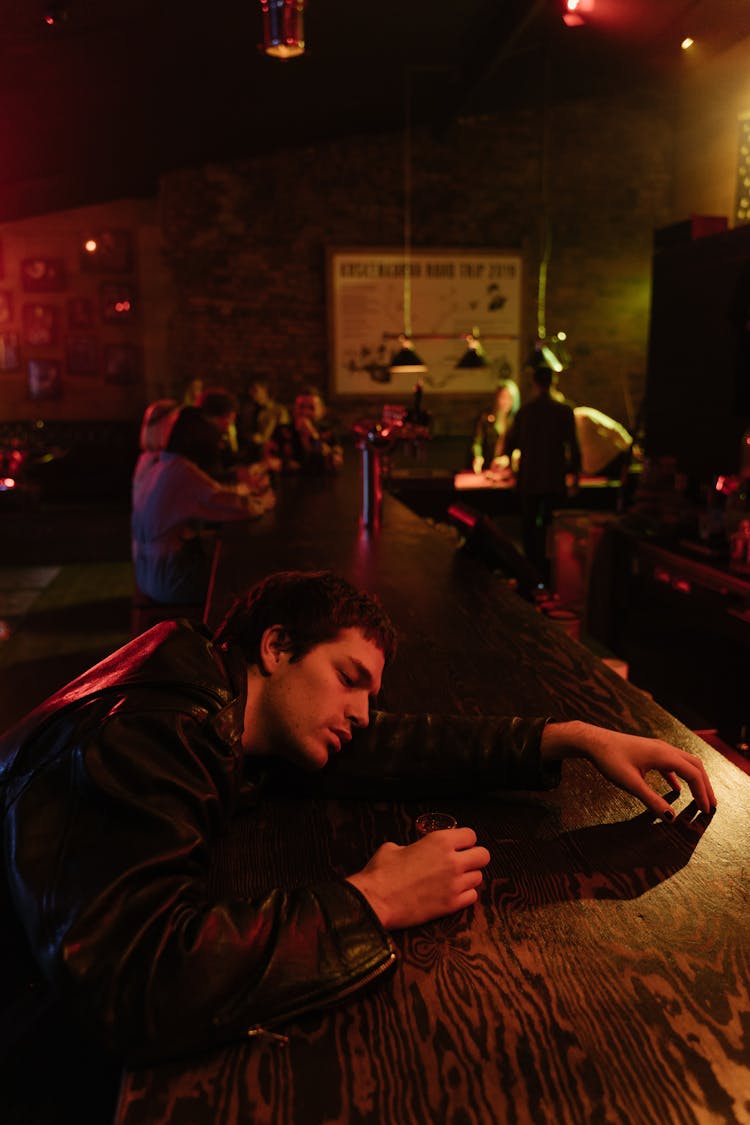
(625, 759)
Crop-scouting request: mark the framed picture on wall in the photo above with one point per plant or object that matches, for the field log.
(44, 379)
(43, 275)
(122, 364)
(447, 293)
(117, 302)
(10, 351)
(80, 312)
(107, 251)
(6, 307)
(82, 355)
(40, 325)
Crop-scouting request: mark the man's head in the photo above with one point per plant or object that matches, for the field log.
(316, 648)
(543, 377)
(259, 391)
(194, 437)
(220, 407)
(309, 404)
(312, 607)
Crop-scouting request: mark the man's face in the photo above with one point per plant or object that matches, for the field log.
(310, 707)
(309, 406)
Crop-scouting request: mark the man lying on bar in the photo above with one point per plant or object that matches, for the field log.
(116, 789)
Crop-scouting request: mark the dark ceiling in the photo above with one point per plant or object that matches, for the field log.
(96, 106)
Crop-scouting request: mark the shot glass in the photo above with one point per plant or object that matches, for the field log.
(433, 822)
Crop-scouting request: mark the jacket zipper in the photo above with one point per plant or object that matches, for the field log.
(259, 1032)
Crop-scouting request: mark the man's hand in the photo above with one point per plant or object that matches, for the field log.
(438, 875)
(625, 759)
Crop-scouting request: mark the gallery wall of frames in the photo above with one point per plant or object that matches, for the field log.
(75, 338)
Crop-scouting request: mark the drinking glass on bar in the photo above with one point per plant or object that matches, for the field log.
(433, 822)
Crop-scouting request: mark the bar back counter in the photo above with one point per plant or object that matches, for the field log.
(604, 974)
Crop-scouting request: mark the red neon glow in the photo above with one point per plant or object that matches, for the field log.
(572, 15)
(460, 515)
(681, 585)
(7, 483)
(122, 306)
(661, 575)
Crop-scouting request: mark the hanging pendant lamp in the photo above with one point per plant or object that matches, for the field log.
(406, 361)
(283, 28)
(475, 355)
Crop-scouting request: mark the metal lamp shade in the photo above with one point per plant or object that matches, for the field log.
(406, 361)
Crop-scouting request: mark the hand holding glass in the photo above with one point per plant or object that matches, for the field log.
(433, 822)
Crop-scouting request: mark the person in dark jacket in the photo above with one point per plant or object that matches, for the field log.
(116, 790)
(544, 432)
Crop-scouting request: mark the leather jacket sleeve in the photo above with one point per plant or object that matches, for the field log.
(107, 853)
(401, 754)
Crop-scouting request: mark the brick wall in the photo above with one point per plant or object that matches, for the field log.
(245, 242)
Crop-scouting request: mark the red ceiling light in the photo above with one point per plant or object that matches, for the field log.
(573, 11)
(55, 14)
(283, 28)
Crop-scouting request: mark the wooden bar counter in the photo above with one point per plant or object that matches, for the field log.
(604, 975)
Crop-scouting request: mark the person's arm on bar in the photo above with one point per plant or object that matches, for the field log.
(440, 874)
(412, 884)
(625, 759)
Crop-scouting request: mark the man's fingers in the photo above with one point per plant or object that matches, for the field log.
(651, 799)
(691, 770)
(473, 878)
(700, 786)
(468, 898)
(672, 780)
(471, 858)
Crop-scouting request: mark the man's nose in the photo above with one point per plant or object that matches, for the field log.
(358, 712)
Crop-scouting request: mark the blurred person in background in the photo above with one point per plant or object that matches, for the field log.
(176, 508)
(315, 448)
(488, 453)
(220, 406)
(158, 419)
(544, 433)
(259, 419)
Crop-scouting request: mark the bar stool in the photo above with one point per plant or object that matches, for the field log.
(145, 612)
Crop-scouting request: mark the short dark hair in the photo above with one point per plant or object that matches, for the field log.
(312, 606)
(215, 402)
(543, 376)
(194, 437)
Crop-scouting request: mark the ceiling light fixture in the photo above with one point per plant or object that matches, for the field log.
(572, 13)
(406, 360)
(283, 28)
(687, 43)
(554, 351)
(54, 14)
(475, 355)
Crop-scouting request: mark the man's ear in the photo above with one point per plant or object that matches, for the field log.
(274, 645)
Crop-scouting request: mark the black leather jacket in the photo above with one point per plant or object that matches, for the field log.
(113, 793)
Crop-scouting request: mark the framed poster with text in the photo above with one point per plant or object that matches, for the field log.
(451, 293)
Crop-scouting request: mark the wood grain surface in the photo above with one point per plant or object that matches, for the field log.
(604, 975)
